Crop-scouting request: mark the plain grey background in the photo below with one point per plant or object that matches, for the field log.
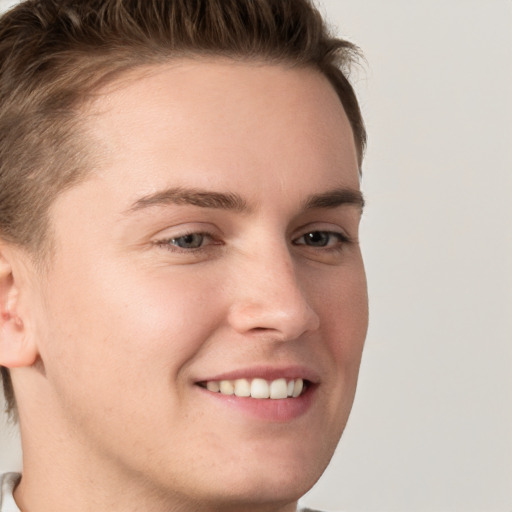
(431, 428)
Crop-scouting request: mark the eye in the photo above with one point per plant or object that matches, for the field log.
(321, 239)
(190, 241)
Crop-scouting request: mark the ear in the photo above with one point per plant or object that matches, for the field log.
(17, 348)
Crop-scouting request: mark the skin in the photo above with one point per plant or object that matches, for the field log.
(106, 348)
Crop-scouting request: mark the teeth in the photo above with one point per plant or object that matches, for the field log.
(297, 388)
(258, 388)
(213, 385)
(226, 387)
(279, 389)
(242, 387)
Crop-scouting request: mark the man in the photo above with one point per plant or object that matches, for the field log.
(183, 297)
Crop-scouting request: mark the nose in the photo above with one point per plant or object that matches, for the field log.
(268, 298)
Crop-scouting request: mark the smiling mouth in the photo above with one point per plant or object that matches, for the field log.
(262, 389)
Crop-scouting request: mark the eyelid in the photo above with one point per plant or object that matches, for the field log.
(186, 228)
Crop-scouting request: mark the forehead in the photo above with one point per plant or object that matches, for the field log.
(224, 106)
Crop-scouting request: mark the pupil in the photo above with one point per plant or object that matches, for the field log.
(317, 238)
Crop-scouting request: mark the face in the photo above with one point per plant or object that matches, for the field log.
(213, 250)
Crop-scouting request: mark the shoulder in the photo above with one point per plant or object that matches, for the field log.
(8, 482)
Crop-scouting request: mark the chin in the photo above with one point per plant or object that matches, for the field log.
(257, 492)
(274, 477)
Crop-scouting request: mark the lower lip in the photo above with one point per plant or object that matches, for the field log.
(274, 410)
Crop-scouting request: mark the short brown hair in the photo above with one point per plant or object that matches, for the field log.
(55, 53)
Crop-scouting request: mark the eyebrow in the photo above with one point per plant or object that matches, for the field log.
(193, 197)
(335, 198)
(231, 201)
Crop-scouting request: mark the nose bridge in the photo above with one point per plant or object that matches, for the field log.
(270, 296)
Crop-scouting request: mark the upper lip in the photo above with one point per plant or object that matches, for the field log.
(267, 372)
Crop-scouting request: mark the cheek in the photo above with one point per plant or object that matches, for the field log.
(345, 320)
(113, 325)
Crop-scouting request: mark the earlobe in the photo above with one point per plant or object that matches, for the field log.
(16, 348)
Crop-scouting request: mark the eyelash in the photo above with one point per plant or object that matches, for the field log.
(170, 243)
